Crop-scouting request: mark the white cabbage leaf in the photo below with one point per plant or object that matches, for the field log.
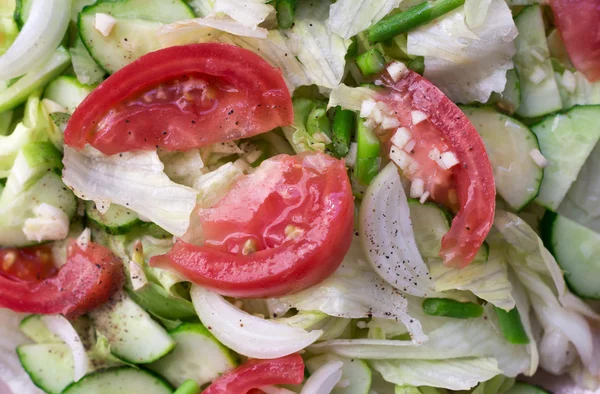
(350, 98)
(561, 315)
(353, 291)
(249, 13)
(135, 180)
(453, 374)
(582, 203)
(476, 11)
(467, 64)
(454, 339)
(347, 18)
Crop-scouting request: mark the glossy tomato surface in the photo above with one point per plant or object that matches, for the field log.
(578, 22)
(467, 186)
(281, 229)
(182, 97)
(87, 280)
(259, 373)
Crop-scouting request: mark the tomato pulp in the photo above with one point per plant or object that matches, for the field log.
(439, 127)
(182, 97)
(281, 229)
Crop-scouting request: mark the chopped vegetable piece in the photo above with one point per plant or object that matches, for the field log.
(366, 165)
(371, 62)
(286, 10)
(343, 128)
(188, 387)
(511, 326)
(451, 308)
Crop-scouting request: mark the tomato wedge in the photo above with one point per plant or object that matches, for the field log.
(279, 230)
(182, 97)
(28, 264)
(468, 185)
(86, 281)
(258, 373)
(578, 23)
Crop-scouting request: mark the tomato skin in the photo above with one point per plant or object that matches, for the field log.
(472, 176)
(308, 191)
(28, 264)
(86, 281)
(258, 373)
(182, 97)
(578, 23)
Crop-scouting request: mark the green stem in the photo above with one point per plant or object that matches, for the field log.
(366, 165)
(188, 387)
(452, 308)
(343, 126)
(371, 62)
(410, 19)
(511, 326)
(417, 65)
(286, 10)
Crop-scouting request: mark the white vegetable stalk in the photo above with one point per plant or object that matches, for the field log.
(44, 29)
(324, 379)
(248, 335)
(387, 235)
(65, 331)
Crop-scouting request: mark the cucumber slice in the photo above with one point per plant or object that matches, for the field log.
(67, 91)
(430, 223)
(133, 335)
(576, 250)
(356, 372)
(508, 143)
(134, 33)
(50, 366)
(35, 329)
(156, 300)
(18, 92)
(525, 388)
(582, 203)
(122, 380)
(117, 220)
(539, 90)
(50, 190)
(509, 100)
(566, 140)
(198, 356)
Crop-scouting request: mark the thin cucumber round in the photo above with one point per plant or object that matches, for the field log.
(509, 143)
(121, 380)
(35, 329)
(355, 371)
(576, 249)
(67, 91)
(117, 220)
(50, 366)
(198, 356)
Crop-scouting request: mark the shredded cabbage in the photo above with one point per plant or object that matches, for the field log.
(467, 64)
(132, 179)
(249, 13)
(347, 18)
(349, 98)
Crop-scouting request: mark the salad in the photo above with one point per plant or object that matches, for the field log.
(310, 197)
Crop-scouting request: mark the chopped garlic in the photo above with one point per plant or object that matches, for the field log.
(401, 137)
(569, 82)
(417, 188)
(539, 159)
(448, 160)
(537, 75)
(417, 117)
(410, 146)
(424, 198)
(351, 156)
(390, 122)
(49, 224)
(367, 107)
(104, 23)
(404, 161)
(434, 154)
(377, 114)
(396, 70)
(535, 52)
(84, 239)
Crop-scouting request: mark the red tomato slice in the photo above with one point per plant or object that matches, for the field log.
(28, 264)
(578, 22)
(279, 230)
(258, 373)
(182, 97)
(86, 281)
(469, 184)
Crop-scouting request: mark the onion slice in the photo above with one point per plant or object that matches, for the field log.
(387, 235)
(61, 327)
(324, 379)
(42, 33)
(248, 335)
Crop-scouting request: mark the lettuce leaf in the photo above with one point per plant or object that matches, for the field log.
(347, 18)
(132, 179)
(467, 64)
